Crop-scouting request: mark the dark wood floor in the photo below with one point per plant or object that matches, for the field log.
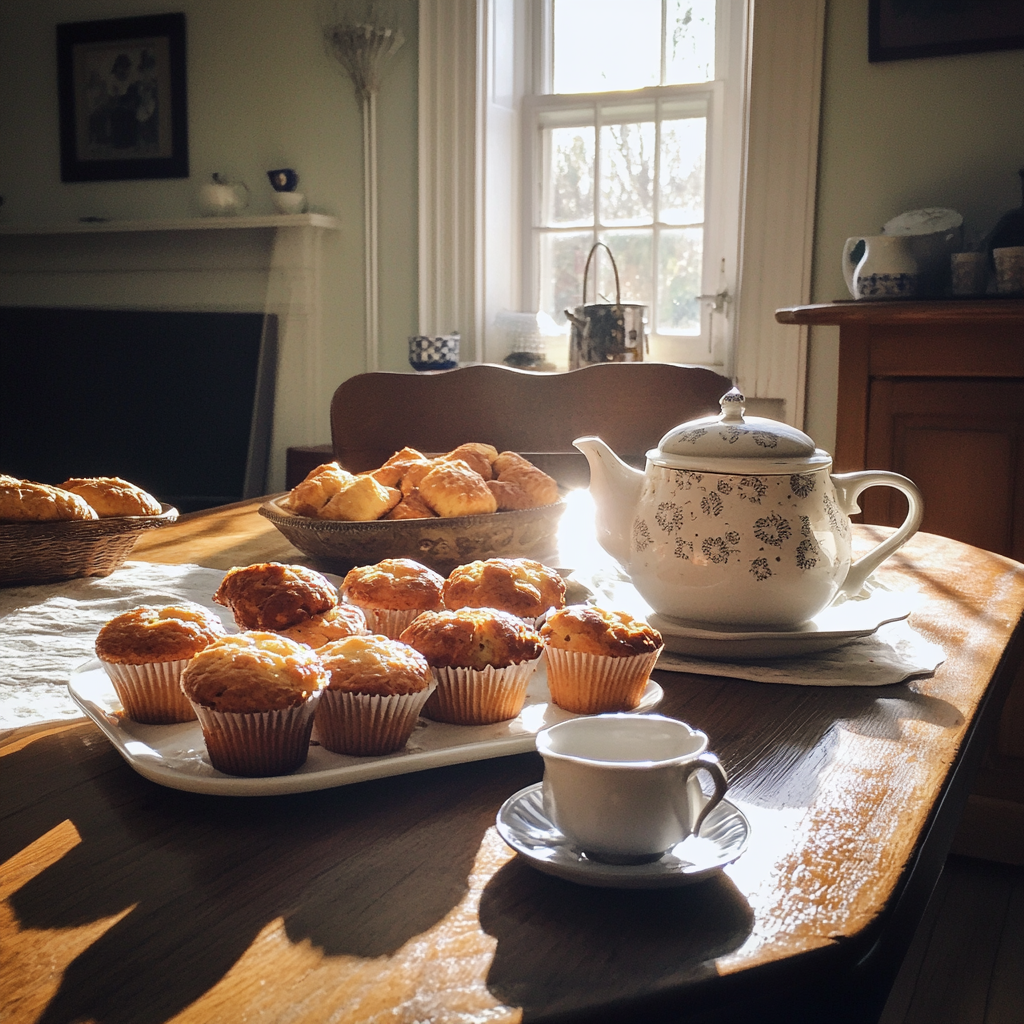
(966, 964)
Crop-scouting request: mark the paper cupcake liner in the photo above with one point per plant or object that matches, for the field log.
(467, 696)
(389, 622)
(151, 693)
(592, 684)
(364, 724)
(258, 743)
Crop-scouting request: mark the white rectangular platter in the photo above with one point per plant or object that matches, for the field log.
(175, 755)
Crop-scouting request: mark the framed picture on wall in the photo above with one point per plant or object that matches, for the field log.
(900, 29)
(123, 99)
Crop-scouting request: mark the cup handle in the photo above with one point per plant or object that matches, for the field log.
(848, 488)
(714, 768)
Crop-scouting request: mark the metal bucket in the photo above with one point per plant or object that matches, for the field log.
(606, 332)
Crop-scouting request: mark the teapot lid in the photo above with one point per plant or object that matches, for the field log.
(734, 443)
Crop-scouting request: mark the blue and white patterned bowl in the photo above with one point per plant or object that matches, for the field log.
(441, 353)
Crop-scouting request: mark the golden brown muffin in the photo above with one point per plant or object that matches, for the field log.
(375, 665)
(479, 457)
(514, 469)
(394, 583)
(472, 638)
(10, 481)
(412, 506)
(361, 501)
(453, 489)
(253, 672)
(341, 621)
(517, 585)
(510, 497)
(269, 595)
(111, 496)
(31, 502)
(319, 486)
(150, 634)
(590, 630)
(391, 473)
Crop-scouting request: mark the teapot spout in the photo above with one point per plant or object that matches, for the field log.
(616, 491)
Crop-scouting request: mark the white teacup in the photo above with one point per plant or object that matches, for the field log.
(623, 788)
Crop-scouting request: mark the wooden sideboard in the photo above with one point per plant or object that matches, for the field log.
(935, 391)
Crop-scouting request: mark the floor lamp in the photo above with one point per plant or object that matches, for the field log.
(363, 50)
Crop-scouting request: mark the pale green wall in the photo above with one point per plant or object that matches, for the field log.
(263, 92)
(900, 135)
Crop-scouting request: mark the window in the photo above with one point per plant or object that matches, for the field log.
(631, 138)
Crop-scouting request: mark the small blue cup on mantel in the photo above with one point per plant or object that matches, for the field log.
(441, 353)
(283, 180)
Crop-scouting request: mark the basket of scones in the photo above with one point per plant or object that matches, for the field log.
(356, 671)
(472, 502)
(85, 527)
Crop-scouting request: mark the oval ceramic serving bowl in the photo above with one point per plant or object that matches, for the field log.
(440, 544)
(48, 552)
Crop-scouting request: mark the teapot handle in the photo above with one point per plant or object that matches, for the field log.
(848, 488)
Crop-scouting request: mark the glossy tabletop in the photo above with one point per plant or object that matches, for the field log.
(395, 900)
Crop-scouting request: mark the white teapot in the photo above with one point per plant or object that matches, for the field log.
(737, 520)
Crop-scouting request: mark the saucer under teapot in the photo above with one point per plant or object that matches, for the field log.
(737, 520)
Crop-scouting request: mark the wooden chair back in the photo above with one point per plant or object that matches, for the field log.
(629, 405)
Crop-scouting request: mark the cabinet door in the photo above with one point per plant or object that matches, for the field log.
(960, 441)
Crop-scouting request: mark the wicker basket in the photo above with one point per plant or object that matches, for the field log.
(65, 549)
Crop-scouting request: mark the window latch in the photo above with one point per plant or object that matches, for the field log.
(717, 301)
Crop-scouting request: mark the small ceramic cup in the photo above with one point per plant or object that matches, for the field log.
(969, 273)
(440, 353)
(1009, 264)
(623, 788)
(290, 202)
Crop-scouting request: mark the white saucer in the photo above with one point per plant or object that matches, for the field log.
(523, 824)
(841, 622)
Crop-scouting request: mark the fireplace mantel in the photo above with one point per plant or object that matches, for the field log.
(263, 264)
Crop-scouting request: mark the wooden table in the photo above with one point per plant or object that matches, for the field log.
(395, 900)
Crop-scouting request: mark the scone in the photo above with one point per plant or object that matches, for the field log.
(26, 502)
(511, 468)
(453, 489)
(255, 695)
(361, 501)
(317, 489)
(373, 701)
(517, 585)
(479, 457)
(412, 506)
(111, 496)
(598, 660)
(392, 593)
(391, 473)
(269, 595)
(482, 659)
(339, 622)
(144, 652)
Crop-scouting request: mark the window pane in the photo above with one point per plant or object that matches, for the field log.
(605, 45)
(680, 254)
(627, 173)
(632, 252)
(690, 43)
(562, 259)
(682, 171)
(571, 181)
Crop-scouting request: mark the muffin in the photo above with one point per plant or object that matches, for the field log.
(392, 593)
(144, 652)
(111, 496)
(269, 595)
(255, 694)
(377, 689)
(482, 659)
(598, 660)
(24, 501)
(341, 621)
(517, 585)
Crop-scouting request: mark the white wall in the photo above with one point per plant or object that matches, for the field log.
(896, 136)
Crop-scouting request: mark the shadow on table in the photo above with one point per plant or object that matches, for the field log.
(563, 947)
(356, 871)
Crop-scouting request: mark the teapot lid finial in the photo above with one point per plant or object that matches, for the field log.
(733, 404)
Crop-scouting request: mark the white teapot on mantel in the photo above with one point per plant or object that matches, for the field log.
(737, 521)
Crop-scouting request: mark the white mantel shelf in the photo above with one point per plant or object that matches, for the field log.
(291, 220)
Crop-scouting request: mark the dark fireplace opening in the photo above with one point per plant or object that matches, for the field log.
(180, 403)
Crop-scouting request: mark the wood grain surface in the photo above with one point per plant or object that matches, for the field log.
(395, 900)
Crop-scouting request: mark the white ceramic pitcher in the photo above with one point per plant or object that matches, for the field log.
(886, 269)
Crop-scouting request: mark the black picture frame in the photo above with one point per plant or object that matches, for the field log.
(905, 29)
(123, 99)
